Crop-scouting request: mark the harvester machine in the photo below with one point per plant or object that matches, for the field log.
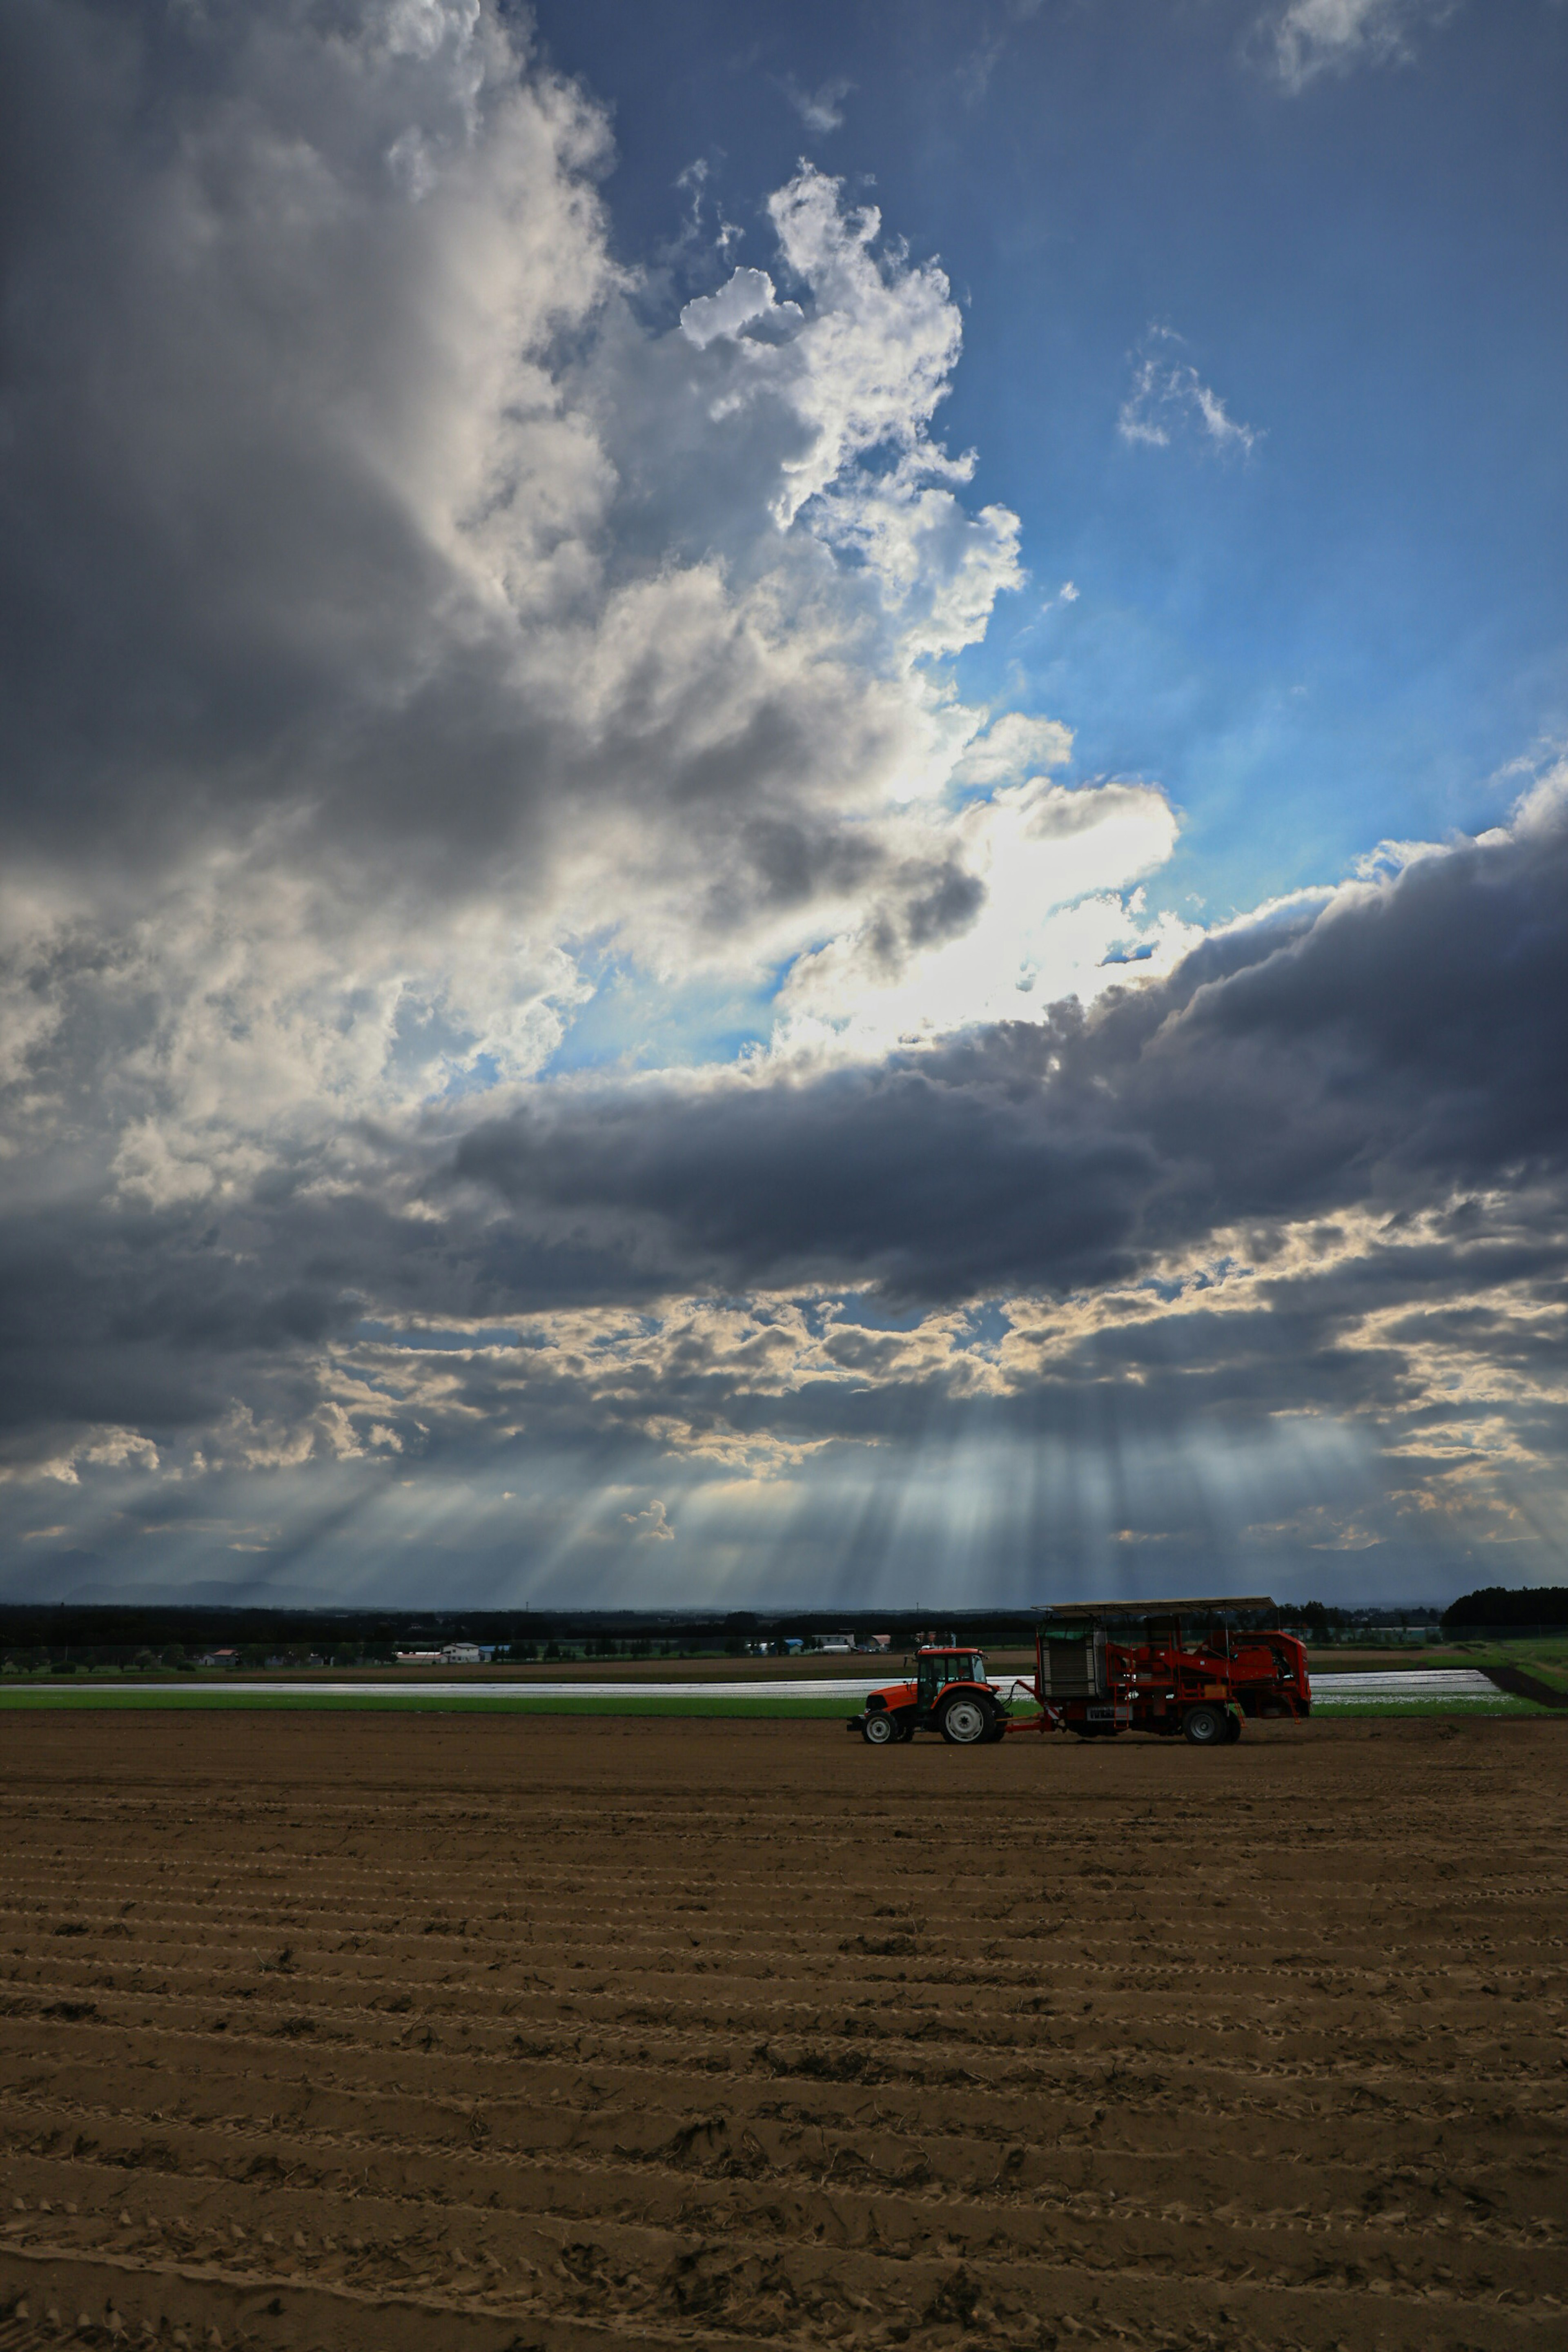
(1175, 1668)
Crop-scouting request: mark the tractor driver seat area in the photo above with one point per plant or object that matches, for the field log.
(935, 1674)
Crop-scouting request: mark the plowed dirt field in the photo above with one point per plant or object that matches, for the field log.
(417, 2032)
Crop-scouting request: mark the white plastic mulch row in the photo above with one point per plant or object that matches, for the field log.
(1338, 1690)
(1409, 1682)
(269, 1688)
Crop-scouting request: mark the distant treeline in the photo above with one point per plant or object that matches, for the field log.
(112, 1628)
(110, 1632)
(1536, 1604)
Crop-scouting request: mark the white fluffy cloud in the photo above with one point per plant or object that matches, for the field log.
(1025, 908)
(746, 297)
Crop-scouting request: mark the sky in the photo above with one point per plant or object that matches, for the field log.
(785, 815)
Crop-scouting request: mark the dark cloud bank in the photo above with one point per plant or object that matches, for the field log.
(1363, 1105)
(1399, 1052)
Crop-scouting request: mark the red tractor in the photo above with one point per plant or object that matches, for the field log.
(949, 1694)
(1157, 1672)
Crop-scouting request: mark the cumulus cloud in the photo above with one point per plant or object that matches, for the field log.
(1169, 398)
(745, 298)
(390, 609)
(649, 1524)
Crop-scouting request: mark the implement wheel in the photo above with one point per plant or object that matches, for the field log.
(1204, 1726)
(965, 1721)
(879, 1730)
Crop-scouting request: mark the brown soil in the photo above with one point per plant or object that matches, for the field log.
(349, 2031)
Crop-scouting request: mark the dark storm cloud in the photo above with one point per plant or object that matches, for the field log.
(1398, 1057)
(215, 595)
(1406, 1040)
(164, 1322)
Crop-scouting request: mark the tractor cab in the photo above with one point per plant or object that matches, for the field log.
(936, 1668)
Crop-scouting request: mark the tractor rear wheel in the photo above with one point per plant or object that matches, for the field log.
(1232, 1728)
(964, 1721)
(1204, 1726)
(879, 1730)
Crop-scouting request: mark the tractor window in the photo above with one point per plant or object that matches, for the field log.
(955, 1666)
(964, 1669)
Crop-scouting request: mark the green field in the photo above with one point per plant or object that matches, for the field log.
(1546, 1659)
(563, 1701)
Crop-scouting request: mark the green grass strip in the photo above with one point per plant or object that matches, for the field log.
(161, 1697)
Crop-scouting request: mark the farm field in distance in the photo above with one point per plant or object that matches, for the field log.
(429, 2030)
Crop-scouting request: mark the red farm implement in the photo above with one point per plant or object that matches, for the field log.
(1186, 1669)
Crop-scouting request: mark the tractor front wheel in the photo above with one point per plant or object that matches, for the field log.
(879, 1730)
(963, 1722)
(1204, 1726)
